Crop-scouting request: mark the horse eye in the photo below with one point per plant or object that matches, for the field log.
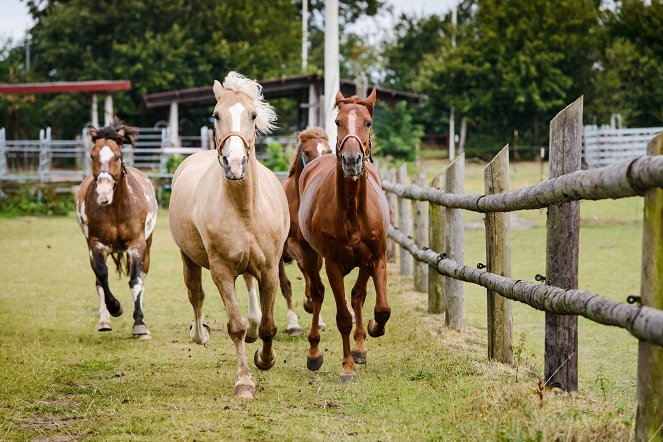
(254, 115)
(215, 115)
(337, 123)
(369, 123)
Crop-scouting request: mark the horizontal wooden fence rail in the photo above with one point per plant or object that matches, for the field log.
(629, 178)
(642, 322)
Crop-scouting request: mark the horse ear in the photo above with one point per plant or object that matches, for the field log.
(370, 100)
(339, 97)
(92, 131)
(217, 90)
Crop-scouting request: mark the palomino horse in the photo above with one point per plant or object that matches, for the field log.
(313, 142)
(343, 217)
(117, 211)
(229, 214)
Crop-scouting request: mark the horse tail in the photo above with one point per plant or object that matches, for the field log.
(121, 263)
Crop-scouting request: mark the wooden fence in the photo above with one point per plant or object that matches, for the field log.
(559, 297)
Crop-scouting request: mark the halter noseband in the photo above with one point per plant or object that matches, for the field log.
(225, 138)
(366, 155)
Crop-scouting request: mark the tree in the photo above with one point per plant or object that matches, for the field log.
(396, 133)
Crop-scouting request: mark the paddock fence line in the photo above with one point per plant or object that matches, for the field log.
(559, 296)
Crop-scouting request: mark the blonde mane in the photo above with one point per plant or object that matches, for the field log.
(266, 118)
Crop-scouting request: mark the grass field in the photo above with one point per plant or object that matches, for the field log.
(61, 380)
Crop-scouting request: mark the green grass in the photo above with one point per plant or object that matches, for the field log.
(60, 378)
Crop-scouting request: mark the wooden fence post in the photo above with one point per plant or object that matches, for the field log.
(563, 227)
(455, 238)
(649, 418)
(420, 221)
(393, 204)
(436, 239)
(498, 256)
(404, 223)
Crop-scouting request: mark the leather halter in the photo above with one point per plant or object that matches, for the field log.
(366, 155)
(219, 147)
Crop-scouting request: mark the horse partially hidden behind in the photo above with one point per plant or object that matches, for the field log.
(117, 211)
(344, 217)
(313, 142)
(229, 214)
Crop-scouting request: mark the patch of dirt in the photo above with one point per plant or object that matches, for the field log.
(56, 438)
(517, 222)
(41, 424)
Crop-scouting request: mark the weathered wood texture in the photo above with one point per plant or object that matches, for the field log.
(455, 243)
(649, 418)
(404, 204)
(621, 180)
(498, 257)
(644, 323)
(562, 249)
(420, 222)
(437, 235)
(392, 200)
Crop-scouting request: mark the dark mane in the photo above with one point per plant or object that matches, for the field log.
(356, 100)
(304, 136)
(111, 133)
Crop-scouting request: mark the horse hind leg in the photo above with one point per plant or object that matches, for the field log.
(358, 299)
(198, 331)
(255, 314)
(138, 257)
(98, 255)
(265, 357)
(104, 316)
(293, 329)
(382, 310)
(308, 300)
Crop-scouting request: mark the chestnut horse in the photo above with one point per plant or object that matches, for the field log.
(117, 211)
(343, 219)
(313, 142)
(229, 214)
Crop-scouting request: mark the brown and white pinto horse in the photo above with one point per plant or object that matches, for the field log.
(229, 214)
(117, 212)
(344, 217)
(313, 142)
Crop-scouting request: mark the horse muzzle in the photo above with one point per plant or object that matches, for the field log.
(234, 167)
(105, 190)
(352, 164)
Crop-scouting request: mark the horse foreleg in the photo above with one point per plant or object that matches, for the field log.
(254, 309)
(265, 359)
(343, 318)
(293, 328)
(382, 310)
(98, 255)
(199, 331)
(138, 257)
(358, 299)
(311, 263)
(237, 327)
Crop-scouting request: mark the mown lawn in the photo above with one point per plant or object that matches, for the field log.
(62, 380)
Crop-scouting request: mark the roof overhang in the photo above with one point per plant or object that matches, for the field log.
(60, 87)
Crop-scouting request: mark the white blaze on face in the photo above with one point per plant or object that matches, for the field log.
(352, 122)
(105, 181)
(321, 149)
(235, 152)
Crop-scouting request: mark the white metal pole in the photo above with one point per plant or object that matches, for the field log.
(304, 36)
(94, 111)
(452, 123)
(174, 123)
(332, 75)
(108, 110)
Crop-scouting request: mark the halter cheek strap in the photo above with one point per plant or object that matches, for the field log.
(225, 138)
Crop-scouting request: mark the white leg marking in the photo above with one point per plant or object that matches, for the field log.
(104, 315)
(321, 322)
(198, 333)
(293, 322)
(254, 308)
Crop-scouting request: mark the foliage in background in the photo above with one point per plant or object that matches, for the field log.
(396, 133)
(37, 200)
(276, 159)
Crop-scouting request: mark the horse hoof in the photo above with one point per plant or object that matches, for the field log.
(202, 340)
(346, 378)
(104, 326)
(261, 364)
(314, 364)
(250, 339)
(139, 330)
(294, 332)
(374, 329)
(359, 357)
(308, 305)
(245, 391)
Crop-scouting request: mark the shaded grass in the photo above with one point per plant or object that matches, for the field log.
(61, 378)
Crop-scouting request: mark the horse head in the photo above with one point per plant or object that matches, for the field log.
(313, 142)
(106, 154)
(353, 122)
(240, 112)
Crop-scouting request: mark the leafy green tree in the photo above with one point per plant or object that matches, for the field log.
(276, 159)
(396, 133)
